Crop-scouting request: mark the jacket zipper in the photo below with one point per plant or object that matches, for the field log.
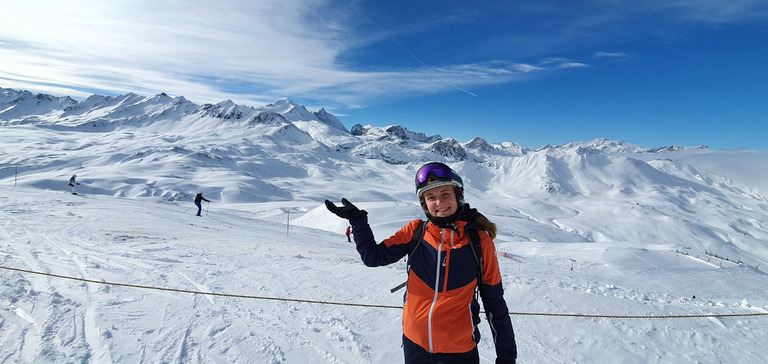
(436, 288)
(440, 262)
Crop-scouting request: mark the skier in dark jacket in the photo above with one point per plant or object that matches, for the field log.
(73, 184)
(441, 311)
(198, 200)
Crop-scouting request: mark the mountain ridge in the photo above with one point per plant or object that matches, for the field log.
(599, 227)
(169, 148)
(16, 107)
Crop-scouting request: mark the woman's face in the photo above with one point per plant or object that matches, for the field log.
(441, 201)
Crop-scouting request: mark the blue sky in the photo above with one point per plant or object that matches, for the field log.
(652, 73)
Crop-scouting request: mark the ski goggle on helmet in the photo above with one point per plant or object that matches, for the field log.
(436, 174)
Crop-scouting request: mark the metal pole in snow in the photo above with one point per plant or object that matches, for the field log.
(287, 219)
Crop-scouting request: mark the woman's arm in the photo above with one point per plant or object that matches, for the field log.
(386, 252)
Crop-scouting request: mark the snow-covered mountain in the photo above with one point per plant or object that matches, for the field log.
(608, 207)
(134, 146)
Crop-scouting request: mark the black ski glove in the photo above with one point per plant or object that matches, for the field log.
(348, 211)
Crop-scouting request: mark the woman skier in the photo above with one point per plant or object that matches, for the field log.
(441, 310)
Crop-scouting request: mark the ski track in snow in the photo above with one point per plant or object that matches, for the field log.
(143, 242)
(585, 228)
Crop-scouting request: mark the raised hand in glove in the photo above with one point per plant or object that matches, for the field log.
(347, 211)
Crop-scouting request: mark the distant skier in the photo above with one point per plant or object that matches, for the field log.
(198, 200)
(349, 239)
(73, 183)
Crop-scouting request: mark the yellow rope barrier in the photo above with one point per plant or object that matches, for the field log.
(364, 304)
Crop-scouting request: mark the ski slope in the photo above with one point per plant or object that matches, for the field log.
(264, 265)
(607, 250)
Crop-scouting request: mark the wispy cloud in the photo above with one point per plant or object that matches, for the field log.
(251, 52)
(146, 46)
(561, 63)
(571, 65)
(717, 11)
(610, 55)
(209, 53)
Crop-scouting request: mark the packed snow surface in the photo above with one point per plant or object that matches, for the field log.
(254, 253)
(609, 252)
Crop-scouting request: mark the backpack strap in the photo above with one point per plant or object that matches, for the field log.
(418, 235)
(477, 250)
(474, 239)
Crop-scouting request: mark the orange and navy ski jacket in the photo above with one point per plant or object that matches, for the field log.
(440, 301)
